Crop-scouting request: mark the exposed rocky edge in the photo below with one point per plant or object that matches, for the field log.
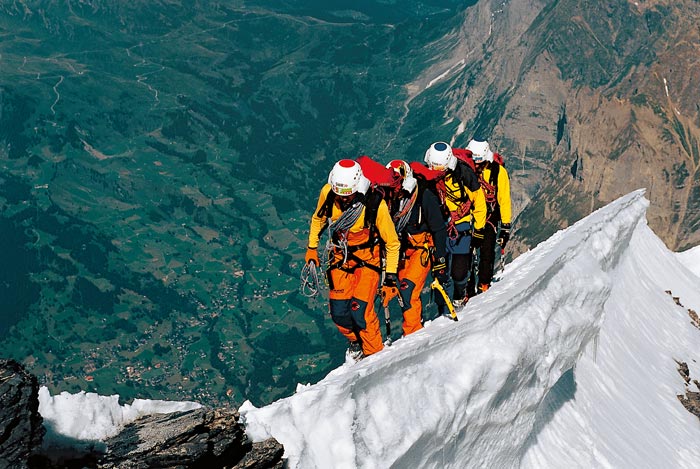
(691, 399)
(21, 429)
(694, 319)
(197, 438)
(211, 438)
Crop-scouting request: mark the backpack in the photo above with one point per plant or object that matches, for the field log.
(423, 173)
(491, 186)
(429, 179)
(499, 159)
(465, 171)
(465, 176)
(383, 181)
(379, 175)
(465, 156)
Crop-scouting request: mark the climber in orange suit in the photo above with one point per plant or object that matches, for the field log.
(357, 222)
(421, 227)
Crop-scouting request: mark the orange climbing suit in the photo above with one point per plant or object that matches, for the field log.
(413, 272)
(354, 282)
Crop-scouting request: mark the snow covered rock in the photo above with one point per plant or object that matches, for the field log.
(197, 438)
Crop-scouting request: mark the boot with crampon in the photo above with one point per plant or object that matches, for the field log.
(354, 352)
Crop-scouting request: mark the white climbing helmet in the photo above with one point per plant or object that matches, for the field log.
(440, 157)
(346, 178)
(408, 182)
(480, 150)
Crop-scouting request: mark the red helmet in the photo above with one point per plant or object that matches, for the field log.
(403, 169)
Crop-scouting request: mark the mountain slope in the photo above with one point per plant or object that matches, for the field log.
(557, 347)
(587, 101)
(625, 386)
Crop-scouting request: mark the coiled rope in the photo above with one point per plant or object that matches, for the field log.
(337, 239)
(402, 215)
(338, 230)
(309, 280)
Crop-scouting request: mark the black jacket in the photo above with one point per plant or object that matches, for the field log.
(427, 215)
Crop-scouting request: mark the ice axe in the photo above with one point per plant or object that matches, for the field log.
(387, 317)
(438, 286)
(501, 266)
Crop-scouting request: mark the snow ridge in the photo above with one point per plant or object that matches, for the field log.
(466, 393)
(619, 407)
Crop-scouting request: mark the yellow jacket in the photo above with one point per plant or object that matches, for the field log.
(358, 233)
(503, 193)
(477, 213)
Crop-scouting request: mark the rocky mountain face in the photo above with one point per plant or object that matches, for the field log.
(21, 429)
(201, 438)
(587, 101)
(211, 438)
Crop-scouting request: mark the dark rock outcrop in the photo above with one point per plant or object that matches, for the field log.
(691, 399)
(21, 429)
(197, 438)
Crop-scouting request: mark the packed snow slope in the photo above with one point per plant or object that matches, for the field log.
(691, 259)
(568, 361)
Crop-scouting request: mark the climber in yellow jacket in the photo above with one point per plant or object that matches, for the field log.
(356, 222)
(464, 199)
(495, 183)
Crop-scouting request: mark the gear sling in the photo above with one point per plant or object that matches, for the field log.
(338, 239)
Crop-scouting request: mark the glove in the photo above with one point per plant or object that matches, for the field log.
(440, 271)
(477, 238)
(312, 256)
(390, 288)
(504, 235)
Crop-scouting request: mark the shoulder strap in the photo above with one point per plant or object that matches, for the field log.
(326, 209)
(491, 186)
(372, 201)
(498, 159)
(493, 178)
